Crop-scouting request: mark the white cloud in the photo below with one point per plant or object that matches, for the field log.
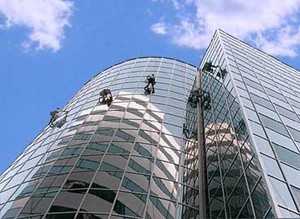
(159, 28)
(45, 19)
(272, 25)
(285, 43)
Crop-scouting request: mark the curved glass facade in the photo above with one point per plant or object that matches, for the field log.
(128, 160)
(140, 156)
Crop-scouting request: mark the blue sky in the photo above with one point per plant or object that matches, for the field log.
(50, 48)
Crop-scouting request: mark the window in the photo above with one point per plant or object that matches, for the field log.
(274, 125)
(287, 156)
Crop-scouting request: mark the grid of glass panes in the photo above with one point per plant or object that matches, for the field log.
(235, 184)
(131, 157)
(270, 94)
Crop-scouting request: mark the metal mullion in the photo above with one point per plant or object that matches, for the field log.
(104, 154)
(210, 82)
(131, 152)
(68, 175)
(42, 178)
(272, 78)
(160, 132)
(238, 149)
(78, 156)
(234, 87)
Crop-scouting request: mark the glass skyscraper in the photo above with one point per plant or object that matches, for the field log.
(218, 141)
(128, 160)
(252, 132)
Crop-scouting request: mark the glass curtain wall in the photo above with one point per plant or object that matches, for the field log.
(236, 188)
(269, 94)
(128, 160)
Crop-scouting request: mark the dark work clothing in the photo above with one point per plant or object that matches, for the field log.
(150, 80)
(106, 97)
(54, 114)
(105, 92)
(208, 66)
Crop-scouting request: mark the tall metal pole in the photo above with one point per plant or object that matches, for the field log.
(201, 153)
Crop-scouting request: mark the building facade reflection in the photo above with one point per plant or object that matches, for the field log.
(236, 188)
(139, 156)
(251, 139)
(128, 160)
